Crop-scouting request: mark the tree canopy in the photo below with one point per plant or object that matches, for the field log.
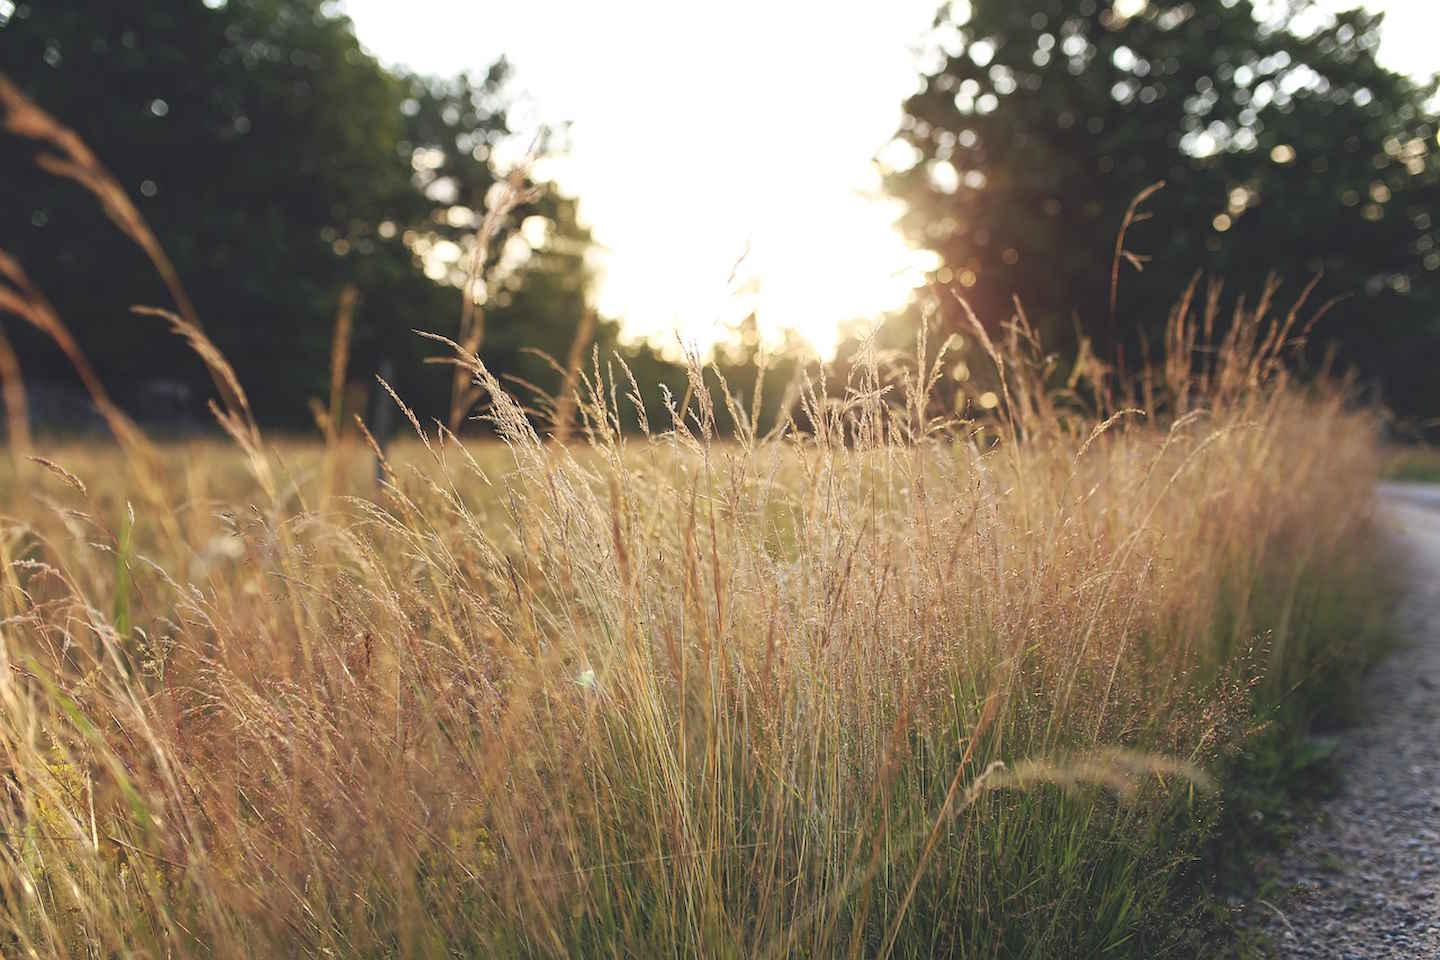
(1282, 150)
(277, 162)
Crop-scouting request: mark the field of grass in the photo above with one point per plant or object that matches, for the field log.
(877, 685)
(880, 682)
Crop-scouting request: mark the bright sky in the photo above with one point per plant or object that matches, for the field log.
(703, 133)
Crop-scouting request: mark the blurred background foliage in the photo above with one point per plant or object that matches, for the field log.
(1039, 120)
(279, 162)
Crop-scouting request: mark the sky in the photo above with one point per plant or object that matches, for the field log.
(706, 136)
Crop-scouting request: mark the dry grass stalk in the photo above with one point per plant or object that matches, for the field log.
(511, 193)
(565, 400)
(76, 162)
(17, 413)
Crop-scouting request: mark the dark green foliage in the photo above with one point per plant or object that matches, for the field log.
(1069, 110)
(254, 139)
(277, 162)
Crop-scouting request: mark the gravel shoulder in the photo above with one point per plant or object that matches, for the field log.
(1364, 880)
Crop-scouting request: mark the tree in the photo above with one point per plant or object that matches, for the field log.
(1282, 149)
(278, 163)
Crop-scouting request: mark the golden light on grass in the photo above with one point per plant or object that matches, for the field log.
(878, 681)
(681, 665)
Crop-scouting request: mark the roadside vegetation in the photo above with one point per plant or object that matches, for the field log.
(886, 679)
(880, 683)
(1414, 464)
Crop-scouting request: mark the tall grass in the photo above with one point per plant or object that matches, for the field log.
(879, 683)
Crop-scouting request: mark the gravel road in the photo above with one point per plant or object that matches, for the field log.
(1364, 881)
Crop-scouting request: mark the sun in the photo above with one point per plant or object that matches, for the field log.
(831, 265)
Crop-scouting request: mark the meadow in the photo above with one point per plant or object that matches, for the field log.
(880, 683)
(882, 680)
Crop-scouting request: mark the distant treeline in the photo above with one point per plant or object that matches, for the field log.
(279, 164)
